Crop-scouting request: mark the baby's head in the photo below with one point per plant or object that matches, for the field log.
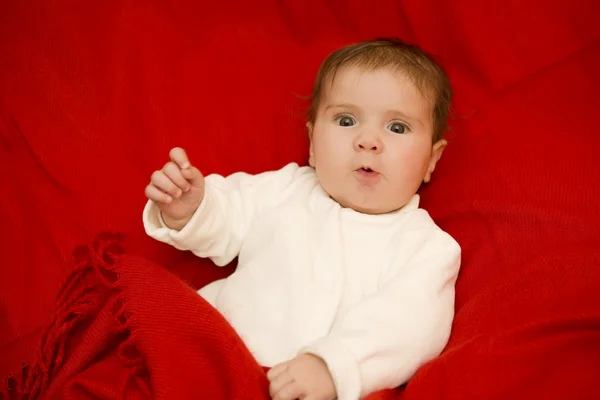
(376, 125)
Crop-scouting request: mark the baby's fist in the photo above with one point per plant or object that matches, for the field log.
(303, 377)
(177, 189)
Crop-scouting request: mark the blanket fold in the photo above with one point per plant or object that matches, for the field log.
(126, 328)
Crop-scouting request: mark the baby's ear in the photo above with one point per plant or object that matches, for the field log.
(311, 153)
(309, 127)
(436, 154)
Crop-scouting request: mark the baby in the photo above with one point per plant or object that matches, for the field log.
(343, 285)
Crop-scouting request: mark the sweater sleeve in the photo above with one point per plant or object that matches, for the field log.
(219, 226)
(382, 341)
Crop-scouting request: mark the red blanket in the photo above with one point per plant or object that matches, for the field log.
(126, 328)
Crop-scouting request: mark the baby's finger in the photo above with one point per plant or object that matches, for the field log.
(172, 171)
(291, 391)
(278, 383)
(276, 371)
(179, 157)
(194, 176)
(161, 181)
(156, 195)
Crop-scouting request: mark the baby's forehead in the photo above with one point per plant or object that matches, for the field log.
(355, 80)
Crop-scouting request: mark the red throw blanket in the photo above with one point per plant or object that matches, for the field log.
(125, 328)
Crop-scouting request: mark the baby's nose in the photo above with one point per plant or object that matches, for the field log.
(368, 142)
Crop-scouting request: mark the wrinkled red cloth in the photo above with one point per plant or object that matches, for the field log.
(125, 328)
(94, 94)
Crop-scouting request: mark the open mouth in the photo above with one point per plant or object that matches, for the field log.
(367, 176)
(367, 171)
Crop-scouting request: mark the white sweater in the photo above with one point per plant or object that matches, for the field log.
(372, 295)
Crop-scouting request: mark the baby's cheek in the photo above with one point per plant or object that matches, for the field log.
(326, 150)
(413, 157)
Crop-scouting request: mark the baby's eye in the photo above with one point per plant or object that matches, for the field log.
(344, 120)
(397, 127)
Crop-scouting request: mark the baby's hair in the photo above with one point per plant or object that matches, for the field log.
(427, 75)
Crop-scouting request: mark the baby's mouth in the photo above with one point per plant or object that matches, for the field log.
(367, 171)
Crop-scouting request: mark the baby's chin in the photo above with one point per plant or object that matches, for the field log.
(374, 210)
(368, 207)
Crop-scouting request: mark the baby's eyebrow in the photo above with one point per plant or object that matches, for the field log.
(344, 105)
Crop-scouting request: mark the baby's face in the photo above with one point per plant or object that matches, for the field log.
(371, 144)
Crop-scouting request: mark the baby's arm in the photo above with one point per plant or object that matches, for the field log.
(381, 342)
(218, 227)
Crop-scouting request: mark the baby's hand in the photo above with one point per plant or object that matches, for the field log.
(177, 189)
(303, 377)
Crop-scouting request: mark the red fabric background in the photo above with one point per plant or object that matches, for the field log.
(93, 96)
